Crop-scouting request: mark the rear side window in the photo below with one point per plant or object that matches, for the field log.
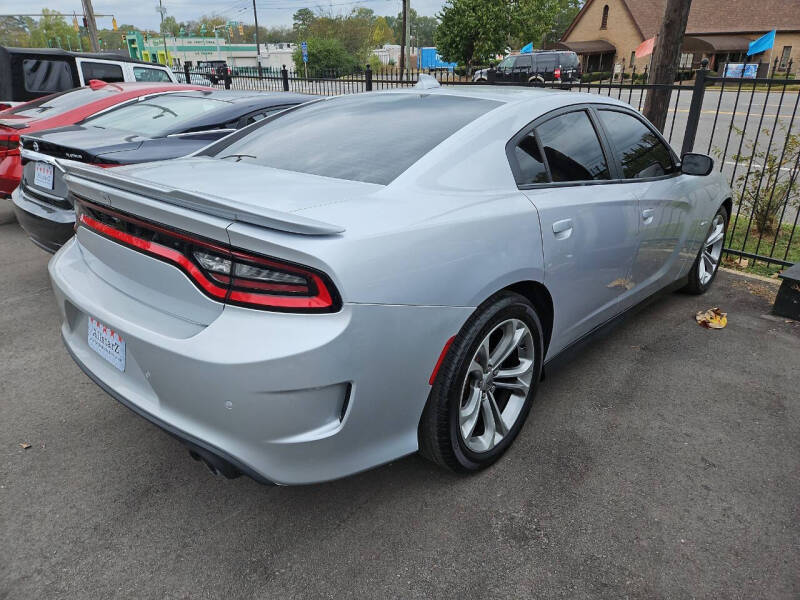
(531, 163)
(46, 75)
(572, 149)
(639, 150)
(365, 138)
(148, 74)
(545, 63)
(103, 71)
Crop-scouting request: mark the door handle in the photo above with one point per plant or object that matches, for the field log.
(562, 229)
(647, 215)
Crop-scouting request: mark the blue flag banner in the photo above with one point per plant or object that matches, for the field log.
(765, 42)
(527, 48)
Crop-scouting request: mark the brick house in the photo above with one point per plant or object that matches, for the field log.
(606, 32)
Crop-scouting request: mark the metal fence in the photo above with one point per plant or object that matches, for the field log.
(749, 126)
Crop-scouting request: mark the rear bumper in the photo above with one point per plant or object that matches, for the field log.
(285, 398)
(49, 227)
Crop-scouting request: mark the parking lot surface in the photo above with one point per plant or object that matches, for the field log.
(662, 462)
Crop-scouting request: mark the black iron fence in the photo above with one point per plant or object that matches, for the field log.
(750, 127)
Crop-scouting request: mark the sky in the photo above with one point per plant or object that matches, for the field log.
(270, 12)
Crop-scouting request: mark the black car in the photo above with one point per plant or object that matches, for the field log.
(157, 127)
(214, 70)
(539, 66)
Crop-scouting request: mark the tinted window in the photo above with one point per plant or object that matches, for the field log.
(545, 63)
(530, 161)
(57, 104)
(102, 71)
(572, 149)
(46, 75)
(523, 62)
(639, 150)
(362, 138)
(569, 60)
(147, 74)
(157, 116)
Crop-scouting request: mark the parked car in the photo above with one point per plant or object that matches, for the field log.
(157, 127)
(214, 70)
(30, 73)
(64, 108)
(539, 66)
(327, 291)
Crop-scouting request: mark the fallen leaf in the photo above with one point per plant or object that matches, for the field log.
(24, 445)
(712, 318)
(621, 283)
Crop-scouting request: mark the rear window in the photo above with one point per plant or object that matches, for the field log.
(157, 116)
(361, 138)
(46, 75)
(569, 60)
(56, 104)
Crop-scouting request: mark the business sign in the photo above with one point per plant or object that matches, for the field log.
(741, 70)
(304, 48)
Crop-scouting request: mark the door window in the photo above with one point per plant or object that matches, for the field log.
(46, 75)
(572, 148)
(107, 72)
(639, 150)
(148, 74)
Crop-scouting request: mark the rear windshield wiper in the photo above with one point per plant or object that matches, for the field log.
(238, 157)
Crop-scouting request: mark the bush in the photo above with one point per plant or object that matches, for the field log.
(325, 57)
(596, 76)
(683, 74)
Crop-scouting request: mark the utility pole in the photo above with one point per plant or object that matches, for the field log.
(162, 11)
(665, 59)
(404, 39)
(258, 51)
(91, 25)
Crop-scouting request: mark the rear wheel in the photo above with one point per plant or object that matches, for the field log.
(706, 265)
(485, 386)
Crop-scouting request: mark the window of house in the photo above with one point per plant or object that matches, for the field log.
(686, 60)
(633, 58)
(604, 22)
(572, 149)
(103, 71)
(639, 150)
(785, 54)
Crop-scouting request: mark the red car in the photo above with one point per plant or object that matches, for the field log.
(65, 108)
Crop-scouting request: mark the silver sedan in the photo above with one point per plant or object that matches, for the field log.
(374, 275)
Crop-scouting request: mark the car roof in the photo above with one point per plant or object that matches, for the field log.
(249, 96)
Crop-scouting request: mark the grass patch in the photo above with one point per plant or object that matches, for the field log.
(735, 240)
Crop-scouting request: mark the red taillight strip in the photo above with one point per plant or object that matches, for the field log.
(439, 362)
(167, 254)
(323, 300)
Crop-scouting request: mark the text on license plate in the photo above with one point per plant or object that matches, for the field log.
(107, 343)
(43, 175)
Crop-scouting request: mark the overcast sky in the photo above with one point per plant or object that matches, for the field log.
(270, 12)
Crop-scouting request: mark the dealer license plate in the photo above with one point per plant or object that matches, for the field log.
(43, 175)
(107, 343)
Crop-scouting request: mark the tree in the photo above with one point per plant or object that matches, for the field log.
(324, 55)
(52, 30)
(302, 21)
(422, 28)
(472, 31)
(169, 26)
(16, 31)
(381, 33)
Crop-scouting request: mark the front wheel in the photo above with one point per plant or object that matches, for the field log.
(706, 265)
(485, 386)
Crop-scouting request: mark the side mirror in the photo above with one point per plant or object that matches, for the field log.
(696, 164)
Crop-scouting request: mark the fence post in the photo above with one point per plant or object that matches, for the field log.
(285, 77)
(186, 72)
(368, 78)
(695, 107)
(227, 80)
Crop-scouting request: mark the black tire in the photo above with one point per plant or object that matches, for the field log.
(694, 285)
(440, 438)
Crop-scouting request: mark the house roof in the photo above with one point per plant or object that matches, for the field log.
(713, 16)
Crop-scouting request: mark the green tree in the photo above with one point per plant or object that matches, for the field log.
(53, 30)
(472, 31)
(169, 26)
(381, 33)
(16, 31)
(302, 21)
(423, 28)
(325, 55)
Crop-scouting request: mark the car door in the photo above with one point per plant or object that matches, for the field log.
(589, 224)
(650, 170)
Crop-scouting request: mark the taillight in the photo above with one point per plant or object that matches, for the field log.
(9, 144)
(557, 73)
(223, 273)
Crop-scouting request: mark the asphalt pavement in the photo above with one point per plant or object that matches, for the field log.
(661, 463)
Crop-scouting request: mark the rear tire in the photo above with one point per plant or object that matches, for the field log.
(485, 386)
(706, 265)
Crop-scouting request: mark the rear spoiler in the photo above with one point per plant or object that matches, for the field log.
(80, 176)
(12, 124)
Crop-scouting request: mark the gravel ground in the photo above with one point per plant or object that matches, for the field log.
(661, 463)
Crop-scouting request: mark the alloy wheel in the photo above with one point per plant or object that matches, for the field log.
(496, 385)
(712, 250)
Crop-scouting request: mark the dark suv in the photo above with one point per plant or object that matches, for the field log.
(214, 70)
(539, 66)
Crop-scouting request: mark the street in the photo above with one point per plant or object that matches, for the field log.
(660, 463)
